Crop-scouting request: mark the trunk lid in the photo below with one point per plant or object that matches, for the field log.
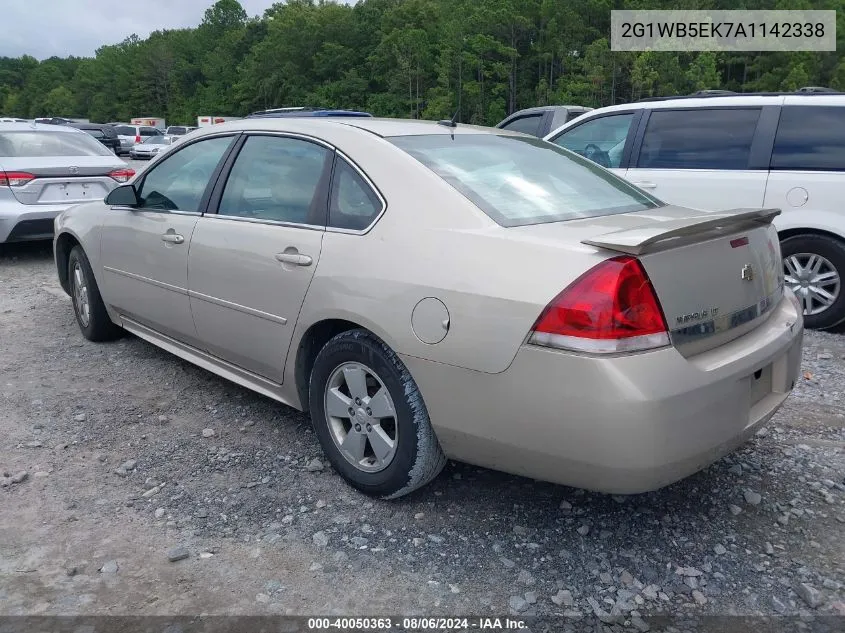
(716, 275)
(75, 179)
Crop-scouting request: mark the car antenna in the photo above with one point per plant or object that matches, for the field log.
(453, 122)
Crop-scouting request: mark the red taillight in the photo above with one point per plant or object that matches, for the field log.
(137, 138)
(14, 178)
(122, 175)
(610, 308)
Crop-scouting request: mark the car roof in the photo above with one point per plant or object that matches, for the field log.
(38, 127)
(379, 127)
(548, 108)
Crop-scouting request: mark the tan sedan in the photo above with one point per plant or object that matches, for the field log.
(430, 291)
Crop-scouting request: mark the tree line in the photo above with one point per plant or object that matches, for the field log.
(400, 58)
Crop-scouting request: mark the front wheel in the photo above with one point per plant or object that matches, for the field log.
(813, 267)
(370, 417)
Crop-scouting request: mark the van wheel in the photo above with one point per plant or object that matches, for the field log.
(813, 267)
(370, 417)
(88, 306)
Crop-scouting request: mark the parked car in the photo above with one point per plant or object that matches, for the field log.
(151, 147)
(741, 150)
(541, 120)
(131, 135)
(305, 112)
(355, 269)
(178, 130)
(46, 169)
(104, 133)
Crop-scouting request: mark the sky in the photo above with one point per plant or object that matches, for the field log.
(43, 28)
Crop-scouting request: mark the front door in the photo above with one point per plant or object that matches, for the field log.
(251, 263)
(145, 248)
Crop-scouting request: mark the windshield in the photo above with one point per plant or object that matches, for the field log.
(37, 143)
(519, 180)
(155, 140)
(175, 129)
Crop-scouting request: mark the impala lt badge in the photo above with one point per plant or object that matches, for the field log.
(73, 170)
(747, 273)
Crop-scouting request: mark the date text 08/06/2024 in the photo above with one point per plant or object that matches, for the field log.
(417, 623)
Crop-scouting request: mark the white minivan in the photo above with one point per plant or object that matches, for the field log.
(783, 151)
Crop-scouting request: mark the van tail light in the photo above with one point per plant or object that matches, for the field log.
(122, 175)
(609, 309)
(15, 178)
(137, 138)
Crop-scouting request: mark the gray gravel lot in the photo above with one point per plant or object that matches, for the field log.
(152, 486)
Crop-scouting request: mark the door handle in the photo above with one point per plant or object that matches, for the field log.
(646, 185)
(297, 259)
(172, 238)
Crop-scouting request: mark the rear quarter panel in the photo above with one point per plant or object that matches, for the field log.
(432, 242)
(83, 222)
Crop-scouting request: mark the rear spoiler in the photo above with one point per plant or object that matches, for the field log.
(679, 231)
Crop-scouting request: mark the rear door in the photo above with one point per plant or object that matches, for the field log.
(703, 158)
(605, 139)
(252, 261)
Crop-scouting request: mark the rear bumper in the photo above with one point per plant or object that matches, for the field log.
(622, 425)
(21, 223)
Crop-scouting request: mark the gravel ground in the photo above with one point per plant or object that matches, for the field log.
(138, 483)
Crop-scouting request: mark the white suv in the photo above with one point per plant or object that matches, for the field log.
(783, 151)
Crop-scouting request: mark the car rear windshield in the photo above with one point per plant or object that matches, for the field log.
(33, 144)
(149, 131)
(96, 133)
(177, 130)
(125, 130)
(519, 180)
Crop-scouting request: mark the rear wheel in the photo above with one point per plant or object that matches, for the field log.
(91, 314)
(813, 267)
(370, 417)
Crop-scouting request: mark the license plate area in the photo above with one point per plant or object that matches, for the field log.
(71, 192)
(761, 384)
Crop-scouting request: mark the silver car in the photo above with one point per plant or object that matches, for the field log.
(44, 169)
(151, 147)
(429, 290)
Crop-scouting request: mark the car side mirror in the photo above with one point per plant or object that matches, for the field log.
(123, 196)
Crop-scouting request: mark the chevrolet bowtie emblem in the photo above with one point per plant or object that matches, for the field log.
(747, 273)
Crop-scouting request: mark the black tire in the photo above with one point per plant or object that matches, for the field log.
(418, 457)
(99, 326)
(833, 251)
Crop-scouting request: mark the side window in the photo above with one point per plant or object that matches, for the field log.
(810, 138)
(601, 140)
(698, 139)
(277, 178)
(526, 124)
(354, 204)
(178, 182)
